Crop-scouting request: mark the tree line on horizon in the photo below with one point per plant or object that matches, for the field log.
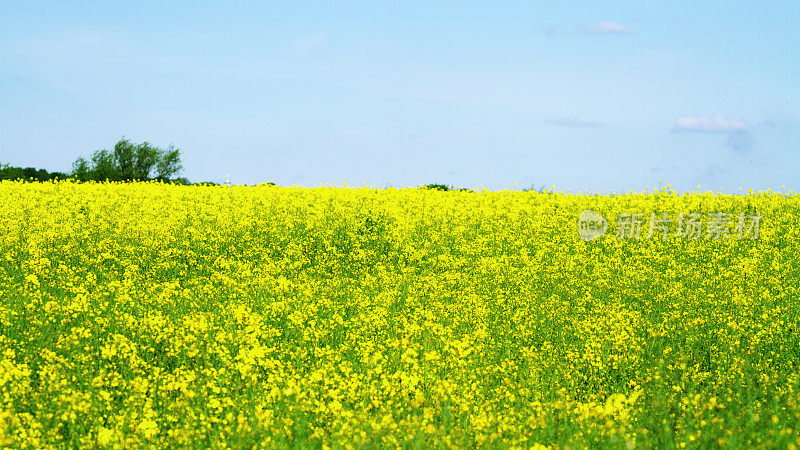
(9, 172)
(127, 161)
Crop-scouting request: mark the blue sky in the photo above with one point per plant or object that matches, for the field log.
(586, 95)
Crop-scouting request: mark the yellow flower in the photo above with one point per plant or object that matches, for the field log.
(104, 436)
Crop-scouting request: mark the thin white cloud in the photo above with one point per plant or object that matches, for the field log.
(308, 43)
(740, 139)
(713, 124)
(572, 123)
(604, 28)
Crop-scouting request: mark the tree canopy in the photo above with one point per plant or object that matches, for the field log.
(129, 161)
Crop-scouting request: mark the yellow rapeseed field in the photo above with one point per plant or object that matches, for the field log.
(154, 315)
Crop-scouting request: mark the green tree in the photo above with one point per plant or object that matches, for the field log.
(169, 163)
(29, 173)
(129, 161)
(124, 154)
(145, 159)
(9, 172)
(80, 169)
(104, 167)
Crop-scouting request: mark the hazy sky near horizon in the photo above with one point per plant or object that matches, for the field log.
(581, 95)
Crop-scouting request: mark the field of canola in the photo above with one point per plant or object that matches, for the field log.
(153, 315)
